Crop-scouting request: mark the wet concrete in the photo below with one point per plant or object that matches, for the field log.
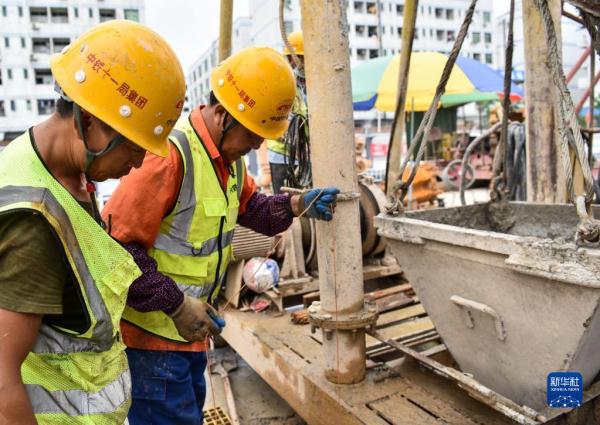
(530, 220)
(256, 402)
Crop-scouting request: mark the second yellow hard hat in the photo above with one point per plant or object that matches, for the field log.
(257, 87)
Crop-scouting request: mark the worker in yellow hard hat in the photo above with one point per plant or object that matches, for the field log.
(63, 279)
(282, 168)
(178, 214)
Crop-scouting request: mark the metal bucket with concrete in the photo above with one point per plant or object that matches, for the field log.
(509, 292)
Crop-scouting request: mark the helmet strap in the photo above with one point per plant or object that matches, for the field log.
(89, 154)
(225, 128)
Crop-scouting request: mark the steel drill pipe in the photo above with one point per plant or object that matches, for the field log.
(327, 70)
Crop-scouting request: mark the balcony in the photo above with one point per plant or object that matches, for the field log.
(59, 15)
(38, 15)
(107, 14)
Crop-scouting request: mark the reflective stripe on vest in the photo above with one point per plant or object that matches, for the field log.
(70, 376)
(173, 246)
(78, 402)
(175, 241)
(194, 244)
(51, 340)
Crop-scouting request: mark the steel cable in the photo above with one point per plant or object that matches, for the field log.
(297, 160)
(422, 135)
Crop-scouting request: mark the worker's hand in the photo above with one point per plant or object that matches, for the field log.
(320, 203)
(193, 320)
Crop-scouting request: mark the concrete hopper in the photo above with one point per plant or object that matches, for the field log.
(509, 292)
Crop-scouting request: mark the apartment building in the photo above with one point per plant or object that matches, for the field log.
(30, 32)
(375, 29)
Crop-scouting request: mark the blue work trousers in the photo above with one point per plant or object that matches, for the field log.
(168, 387)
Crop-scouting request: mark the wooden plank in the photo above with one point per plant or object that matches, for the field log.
(393, 302)
(397, 410)
(400, 314)
(307, 299)
(404, 329)
(375, 295)
(298, 286)
(375, 272)
(444, 411)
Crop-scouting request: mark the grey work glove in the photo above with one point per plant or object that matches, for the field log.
(192, 319)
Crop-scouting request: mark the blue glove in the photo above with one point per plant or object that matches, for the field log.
(217, 320)
(322, 208)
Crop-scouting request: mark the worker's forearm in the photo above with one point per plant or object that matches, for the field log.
(152, 291)
(268, 215)
(15, 407)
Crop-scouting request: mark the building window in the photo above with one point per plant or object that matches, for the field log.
(372, 31)
(43, 76)
(399, 9)
(45, 106)
(487, 17)
(488, 58)
(38, 14)
(359, 7)
(40, 45)
(23, 45)
(450, 36)
(91, 13)
(361, 54)
(488, 37)
(9, 73)
(439, 12)
(439, 35)
(359, 30)
(475, 38)
(4, 11)
(383, 30)
(6, 42)
(2, 110)
(59, 15)
(28, 104)
(399, 31)
(58, 44)
(76, 12)
(132, 15)
(371, 8)
(450, 14)
(20, 8)
(25, 73)
(477, 56)
(373, 53)
(13, 105)
(107, 14)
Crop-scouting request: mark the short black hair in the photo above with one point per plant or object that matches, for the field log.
(213, 99)
(64, 108)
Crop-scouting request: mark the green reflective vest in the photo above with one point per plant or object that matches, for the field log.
(73, 378)
(193, 245)
(298, 107)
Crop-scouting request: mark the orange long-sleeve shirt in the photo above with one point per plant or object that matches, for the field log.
(144, 198)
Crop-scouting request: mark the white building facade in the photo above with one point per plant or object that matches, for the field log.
(198, 76)
(375, 29)
(574, 38)
(30, 32)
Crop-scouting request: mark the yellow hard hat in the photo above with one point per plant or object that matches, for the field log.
(127, 76)
(296, 40)
(257, 87)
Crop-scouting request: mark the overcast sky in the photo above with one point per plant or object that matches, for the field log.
(188, 25)
(191, 25)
